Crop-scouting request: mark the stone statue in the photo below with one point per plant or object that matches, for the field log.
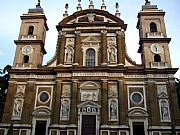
(147, 2)
(69, 55)
(112, 55)
(65, 108)
(164, 110)
(113, 109)
(17, 107)
(91, 2)
(39, 3)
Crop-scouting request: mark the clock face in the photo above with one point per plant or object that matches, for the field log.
(156, 48)
(26, 50)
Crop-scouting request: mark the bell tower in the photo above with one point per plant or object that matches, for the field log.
(30, 44)
(154, 44)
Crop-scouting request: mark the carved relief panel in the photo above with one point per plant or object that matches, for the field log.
(69, 51)
(18, 102)
(65, 102)
(163, 103)
(112, 49)
(89, 91)
(113, 102)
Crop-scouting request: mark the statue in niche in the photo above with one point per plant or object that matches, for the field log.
(164, 110)
(69, 55)
(113, 109)
(112, 54)
(65, 108)
(18, 107)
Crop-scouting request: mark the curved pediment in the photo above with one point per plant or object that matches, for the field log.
(137, 112)
(92, 17)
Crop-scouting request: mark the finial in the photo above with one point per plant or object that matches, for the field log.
(91, 6)
(66, 6)
(117, 14)
(103, 2)
(79, 8)
(103, 7)
(117, 7)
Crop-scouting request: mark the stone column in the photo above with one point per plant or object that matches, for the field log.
(62, 49)
(120, 47)
(104, 47)
(73, 113)
(104, 102)
(77, 50)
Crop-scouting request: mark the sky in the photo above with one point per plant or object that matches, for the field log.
(10, 12)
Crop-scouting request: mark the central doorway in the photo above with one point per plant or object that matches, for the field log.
(88, 125)
(138, 128)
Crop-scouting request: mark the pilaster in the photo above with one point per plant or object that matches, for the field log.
(57, 100)
(104, 48)
(120, 47)
(104, 102)
(122, 104)
(77, 48)
(62, 45)
(73, 113)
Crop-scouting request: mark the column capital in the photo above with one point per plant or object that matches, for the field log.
(77, 32)
(104, 31)
(62, 33)
(121, 32)
(104, 80)
(74, 80)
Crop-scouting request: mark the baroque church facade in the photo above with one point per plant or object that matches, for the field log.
(91, 86)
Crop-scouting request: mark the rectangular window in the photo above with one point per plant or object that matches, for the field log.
(40, 127)
(138, 128)
(88, 125)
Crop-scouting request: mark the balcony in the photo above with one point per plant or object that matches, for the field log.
(29, 37)
(154, 35)
(159, 65)
(23, 65)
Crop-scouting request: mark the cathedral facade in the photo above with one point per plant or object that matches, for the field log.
(91, 86)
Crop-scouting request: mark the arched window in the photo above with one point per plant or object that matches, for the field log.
(153, 27)
(30, 30)
(90, 58)
(26, 59)
(157, 58)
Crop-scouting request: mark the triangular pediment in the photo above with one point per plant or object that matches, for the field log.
(88, 104)
(163, 95)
